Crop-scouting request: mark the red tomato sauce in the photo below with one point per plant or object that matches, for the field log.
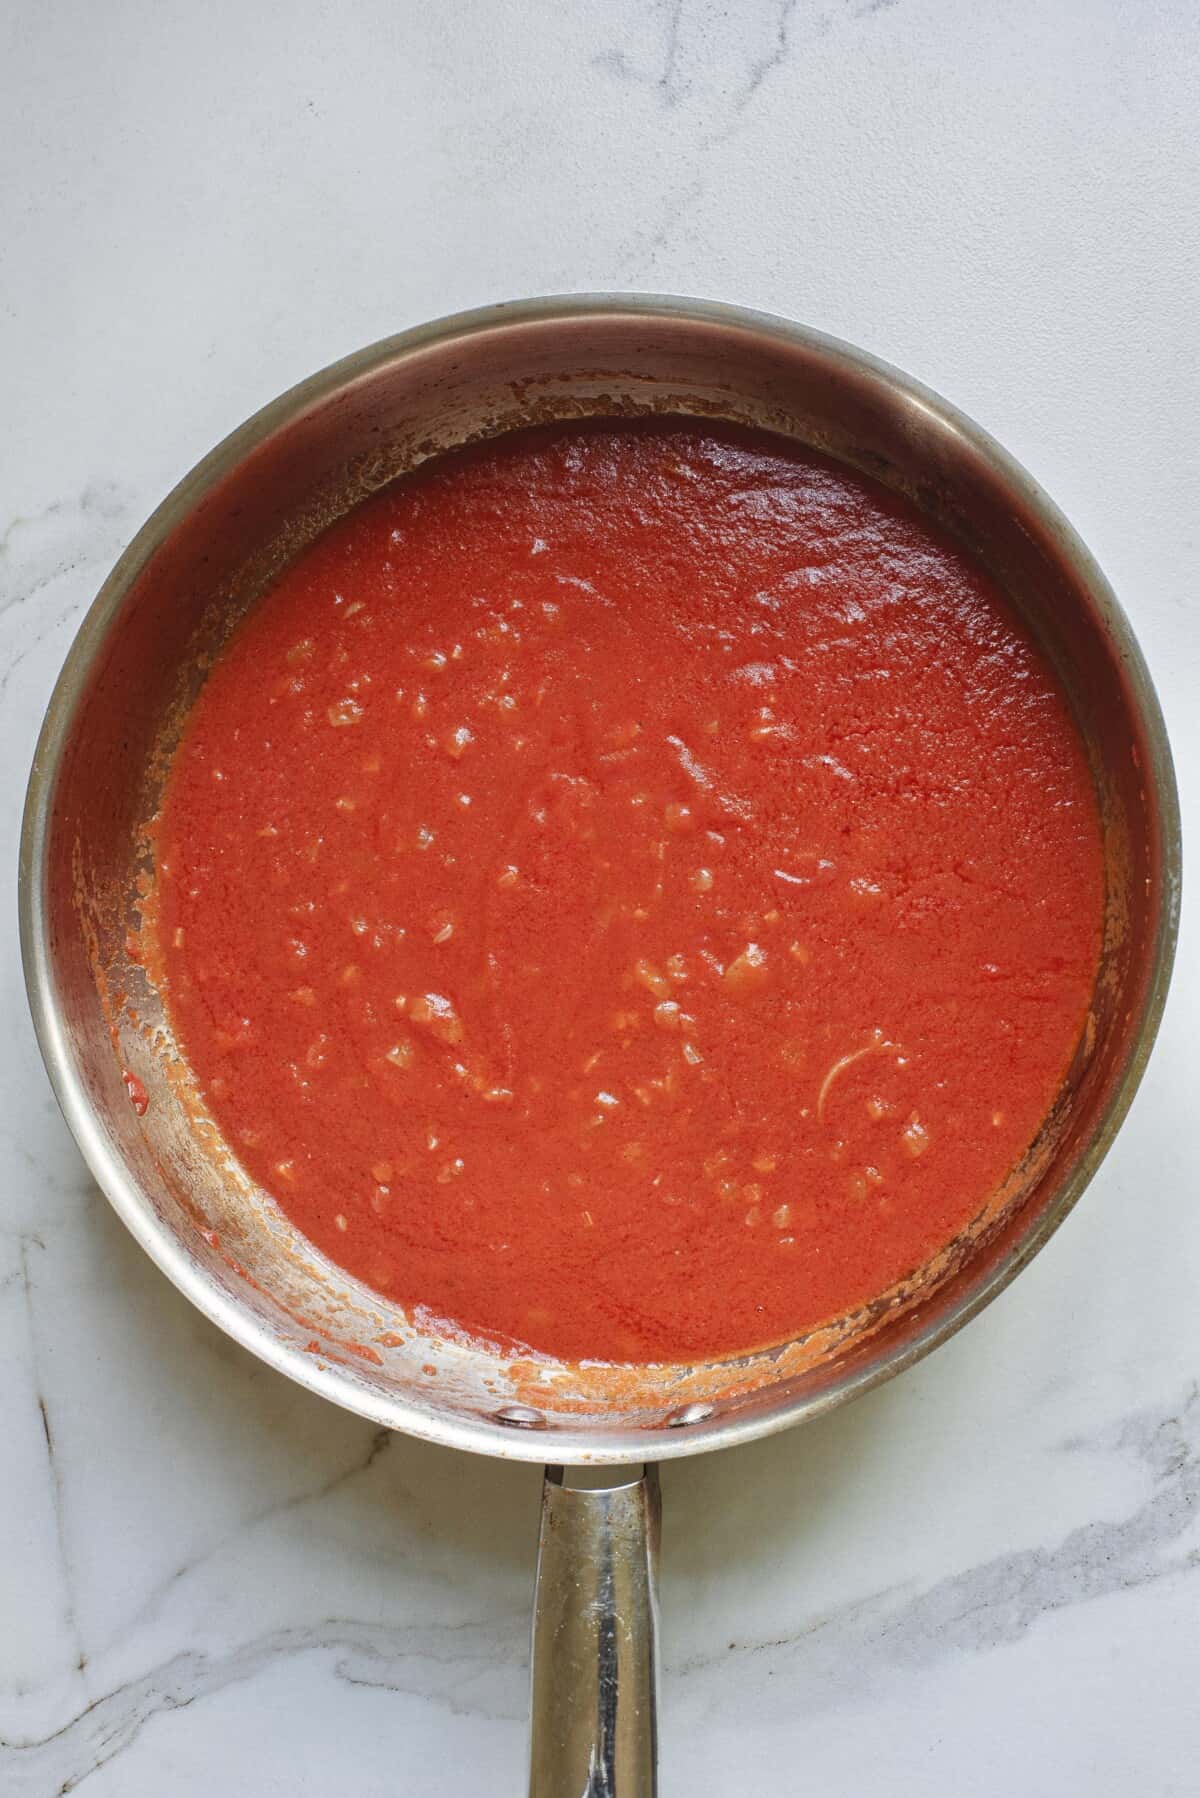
(631, 891)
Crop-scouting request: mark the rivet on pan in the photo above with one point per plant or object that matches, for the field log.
(688, 1414)
(522, 1417)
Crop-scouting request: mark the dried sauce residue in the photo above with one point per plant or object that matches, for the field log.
(138, 1096)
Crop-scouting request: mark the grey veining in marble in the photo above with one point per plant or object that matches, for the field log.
(981, 1580)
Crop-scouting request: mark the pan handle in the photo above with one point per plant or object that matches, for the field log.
(595, 1638)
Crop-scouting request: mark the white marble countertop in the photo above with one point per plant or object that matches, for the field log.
(980, 1581)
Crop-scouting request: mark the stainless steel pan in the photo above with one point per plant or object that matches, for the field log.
(140, 656)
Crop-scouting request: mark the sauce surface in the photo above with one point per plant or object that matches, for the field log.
(631, 891)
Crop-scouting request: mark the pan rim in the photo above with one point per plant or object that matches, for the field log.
(564, 1443)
